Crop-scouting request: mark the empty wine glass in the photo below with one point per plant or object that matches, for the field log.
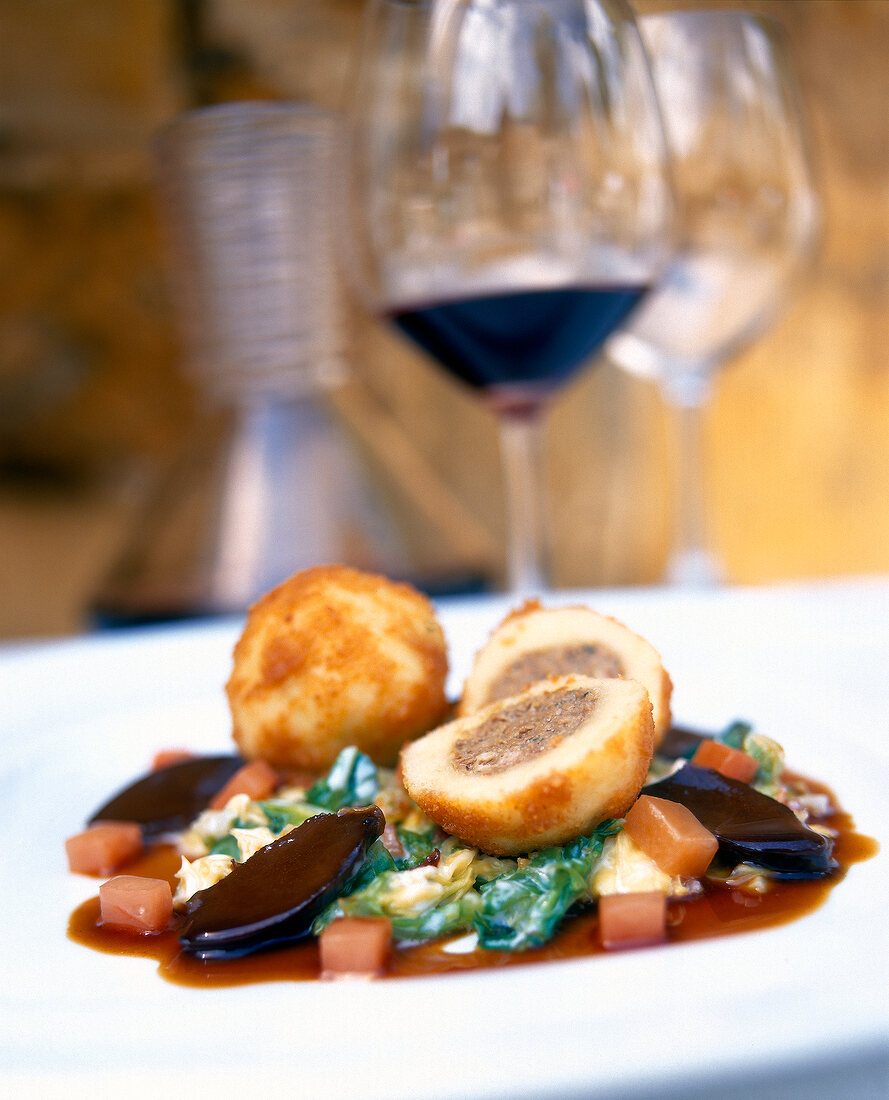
(749, 217)
(509, 202)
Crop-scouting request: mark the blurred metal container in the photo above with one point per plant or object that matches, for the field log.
(269, 484)
(247, 188)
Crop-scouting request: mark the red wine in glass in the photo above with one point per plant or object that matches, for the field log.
(509, 202)
(517, 347)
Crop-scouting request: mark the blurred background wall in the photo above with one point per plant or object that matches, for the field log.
(94, 400)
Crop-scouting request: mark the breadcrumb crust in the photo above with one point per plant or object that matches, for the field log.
(335, 657)
(591, 775)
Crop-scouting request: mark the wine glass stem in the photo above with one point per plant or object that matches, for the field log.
(521, 445)
(691, 561)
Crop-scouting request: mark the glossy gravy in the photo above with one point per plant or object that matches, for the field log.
(719, 911)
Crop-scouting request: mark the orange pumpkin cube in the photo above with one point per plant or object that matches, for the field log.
(164, 758)
(355, 947)
(135, 904)
(256, 780)
(732, 763)
(104, 847)
(632, 920)
(671, 835)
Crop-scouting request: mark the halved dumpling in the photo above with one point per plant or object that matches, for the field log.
(537, 768)
(535, 642)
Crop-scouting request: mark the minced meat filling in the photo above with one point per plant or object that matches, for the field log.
(520, 732)
(585, 659)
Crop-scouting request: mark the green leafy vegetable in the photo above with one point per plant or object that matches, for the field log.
(226, 846)
(770, 757)
(423, 902)
(380, 899)
(352, 781)
(511, 907)
(417, 847)
(734, 734)
(279, 814)
(523, 908)
(229, 845)
(378, 860)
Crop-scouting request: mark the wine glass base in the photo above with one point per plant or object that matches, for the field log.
(694, 569)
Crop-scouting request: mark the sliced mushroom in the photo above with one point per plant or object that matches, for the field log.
(169, 799)
(750, 826)
(273, 897)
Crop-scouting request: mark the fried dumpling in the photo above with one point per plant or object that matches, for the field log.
(537, 768)
(336, 657)
(535, 642)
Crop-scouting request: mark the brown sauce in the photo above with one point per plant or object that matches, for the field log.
(719, 911)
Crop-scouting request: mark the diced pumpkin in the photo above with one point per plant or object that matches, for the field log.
(166, 757)
(104, 847)
(671, 835)
(256, 780)
(732, 763)
(355, 947)
(298, 777)
(632, 920)
(135, 904)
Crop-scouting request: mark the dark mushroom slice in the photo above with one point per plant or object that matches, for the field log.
(680, 741)
(750, 826)
(273, 897)
(169, 799)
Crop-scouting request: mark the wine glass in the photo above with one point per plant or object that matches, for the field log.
(509, 204)
(749, 215)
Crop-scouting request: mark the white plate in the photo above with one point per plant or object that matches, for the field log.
(782, 1012)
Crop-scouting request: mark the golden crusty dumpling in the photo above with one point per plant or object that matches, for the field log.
(335, 657)
(537, 768)
(535, 642)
